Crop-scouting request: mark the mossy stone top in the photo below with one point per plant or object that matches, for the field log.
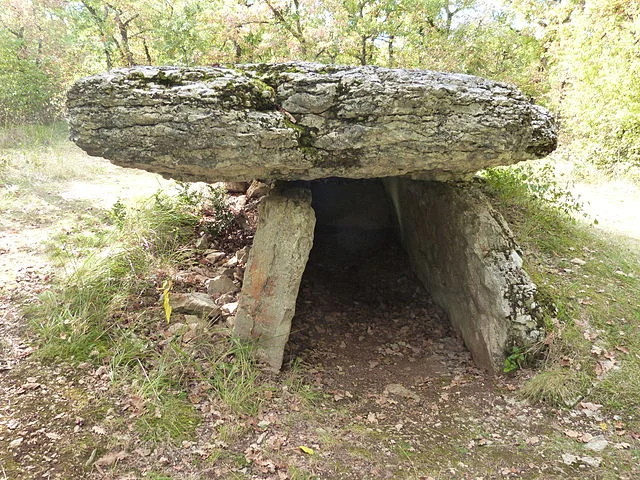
(303, 121)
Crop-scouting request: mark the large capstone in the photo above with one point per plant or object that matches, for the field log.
(305, 121)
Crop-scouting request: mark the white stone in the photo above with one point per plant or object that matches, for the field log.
(229, 308)
(597, 444)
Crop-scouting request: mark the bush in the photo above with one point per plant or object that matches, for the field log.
(27, 90)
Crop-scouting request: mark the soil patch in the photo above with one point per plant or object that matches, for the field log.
(370, 323)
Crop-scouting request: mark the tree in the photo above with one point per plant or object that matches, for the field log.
(56, 41)
(592, 50)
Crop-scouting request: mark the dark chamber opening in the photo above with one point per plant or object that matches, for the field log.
(359, 299)
(354, 221)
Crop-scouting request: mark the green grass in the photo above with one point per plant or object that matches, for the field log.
(28, 136)
(106, 311)
(36, 155)
(598, 303)
(170, 418)
(558, 386)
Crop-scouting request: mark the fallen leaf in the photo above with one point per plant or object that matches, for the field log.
(401, 391)
(590, 406)
(587, 437)
(307, 450)
(571, 433)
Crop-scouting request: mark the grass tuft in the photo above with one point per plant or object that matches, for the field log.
(171, 417)
(234, 376)
(558, 386)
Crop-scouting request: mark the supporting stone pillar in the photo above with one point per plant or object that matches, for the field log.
(274, 270)
(464, 253)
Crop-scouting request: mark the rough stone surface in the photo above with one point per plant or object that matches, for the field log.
(464, 253)
(220, 284)
(274, 270)
(257, 189)
(305, 121)
(194, 303)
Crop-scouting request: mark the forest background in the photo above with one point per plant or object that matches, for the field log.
(581, 58)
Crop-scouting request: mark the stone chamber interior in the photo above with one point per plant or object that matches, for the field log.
(360, 307)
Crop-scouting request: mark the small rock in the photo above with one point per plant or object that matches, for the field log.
(214, 256)
(16, 443)
(194, 303)
(231, 263)
(397, 389)
(597, 444)
(203, 242)
(236, 187)
(237, 203)
(220, 284)
(229, 308)
(578, 261)
(257, 189)
(591, 461)
(226, 298)
(242, 254)
(31, 386)
(238, 274)
(177, 328)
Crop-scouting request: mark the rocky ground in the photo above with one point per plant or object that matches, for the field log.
(376, 385)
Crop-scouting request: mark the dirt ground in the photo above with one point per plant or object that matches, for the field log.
(376, 385)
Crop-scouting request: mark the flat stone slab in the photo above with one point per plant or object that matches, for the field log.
(303, 121)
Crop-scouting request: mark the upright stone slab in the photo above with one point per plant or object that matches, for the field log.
(274, 270)
(464, 253)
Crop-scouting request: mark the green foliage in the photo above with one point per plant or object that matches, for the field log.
(514, 360)
(27, 91)
(234, 376)
(52, 44)
(535, 181)
(171, 417)
(217, 216)
(594, 70)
